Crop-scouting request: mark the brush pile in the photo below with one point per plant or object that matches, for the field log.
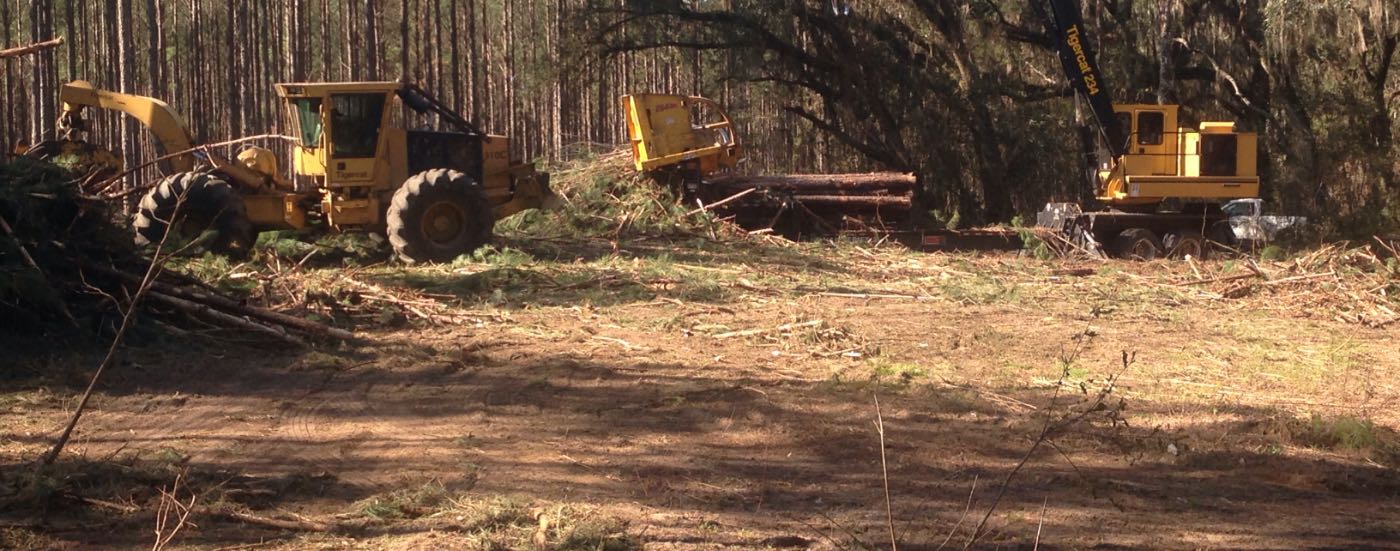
(605, 197)
(67, 265)
(1349, 284)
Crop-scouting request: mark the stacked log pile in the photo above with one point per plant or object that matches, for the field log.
(829, 201)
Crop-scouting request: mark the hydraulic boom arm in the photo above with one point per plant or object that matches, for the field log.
(155, 114)
(170, 131)
(1082, 69)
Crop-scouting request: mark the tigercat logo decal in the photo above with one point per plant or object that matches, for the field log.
(1081, 56)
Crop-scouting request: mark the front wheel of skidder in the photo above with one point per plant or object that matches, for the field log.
(437, 216)
(195, 205)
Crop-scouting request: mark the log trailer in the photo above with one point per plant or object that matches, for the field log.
(690, 144)
(1149, 162)
(435, 194)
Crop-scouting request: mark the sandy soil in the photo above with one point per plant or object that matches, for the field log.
(1220, 432)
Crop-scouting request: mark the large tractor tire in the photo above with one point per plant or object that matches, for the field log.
(209, 205)
(1137, 244)
(1188, 243)
(437, 216)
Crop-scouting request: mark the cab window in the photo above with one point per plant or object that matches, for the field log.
(1150, 127)
(355, 123)
(306, 115)
(1125, 121)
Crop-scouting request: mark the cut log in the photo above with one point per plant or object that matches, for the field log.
(30, 49)
(795, 182)
(893, 201)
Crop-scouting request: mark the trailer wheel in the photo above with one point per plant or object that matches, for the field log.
(1137, 244)
(437, 216)
(209, 204)
(1188, 243)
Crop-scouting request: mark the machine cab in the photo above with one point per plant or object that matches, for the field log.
(341, 132)
(1152, 138)
(668, 130)
(1163, 160)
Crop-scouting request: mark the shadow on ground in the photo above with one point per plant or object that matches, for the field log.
(734, 458)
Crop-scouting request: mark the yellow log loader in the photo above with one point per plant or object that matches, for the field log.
(1167, 188)
(356, 166)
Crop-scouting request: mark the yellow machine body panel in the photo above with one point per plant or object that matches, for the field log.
(155, 114)
(348, 143)
(495, 153)
(671, 130)
(1165, 161)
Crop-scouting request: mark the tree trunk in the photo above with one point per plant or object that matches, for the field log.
(126, 70)
(371, 49)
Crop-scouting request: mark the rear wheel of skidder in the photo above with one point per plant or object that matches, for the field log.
(437, 216)
(1137, 244)
(1189, 243)
(194, 204)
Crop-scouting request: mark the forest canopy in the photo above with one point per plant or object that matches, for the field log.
(968, 95)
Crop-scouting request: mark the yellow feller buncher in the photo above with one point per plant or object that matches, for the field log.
(690, 141)
(436, 194)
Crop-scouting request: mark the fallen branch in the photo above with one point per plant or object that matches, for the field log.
(721, 202)
(1218, 280)
(989, 395)
(872, 296)
(1295, 279)
(204, 148)
(901, 201)
(1387, 246)
(230, 305)
(153, 270)
(31, 49)
(103, 504)
(284, 524)
(778, 329)
(207, 311)
(833, 182)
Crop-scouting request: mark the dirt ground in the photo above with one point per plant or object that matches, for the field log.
(671, 398)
